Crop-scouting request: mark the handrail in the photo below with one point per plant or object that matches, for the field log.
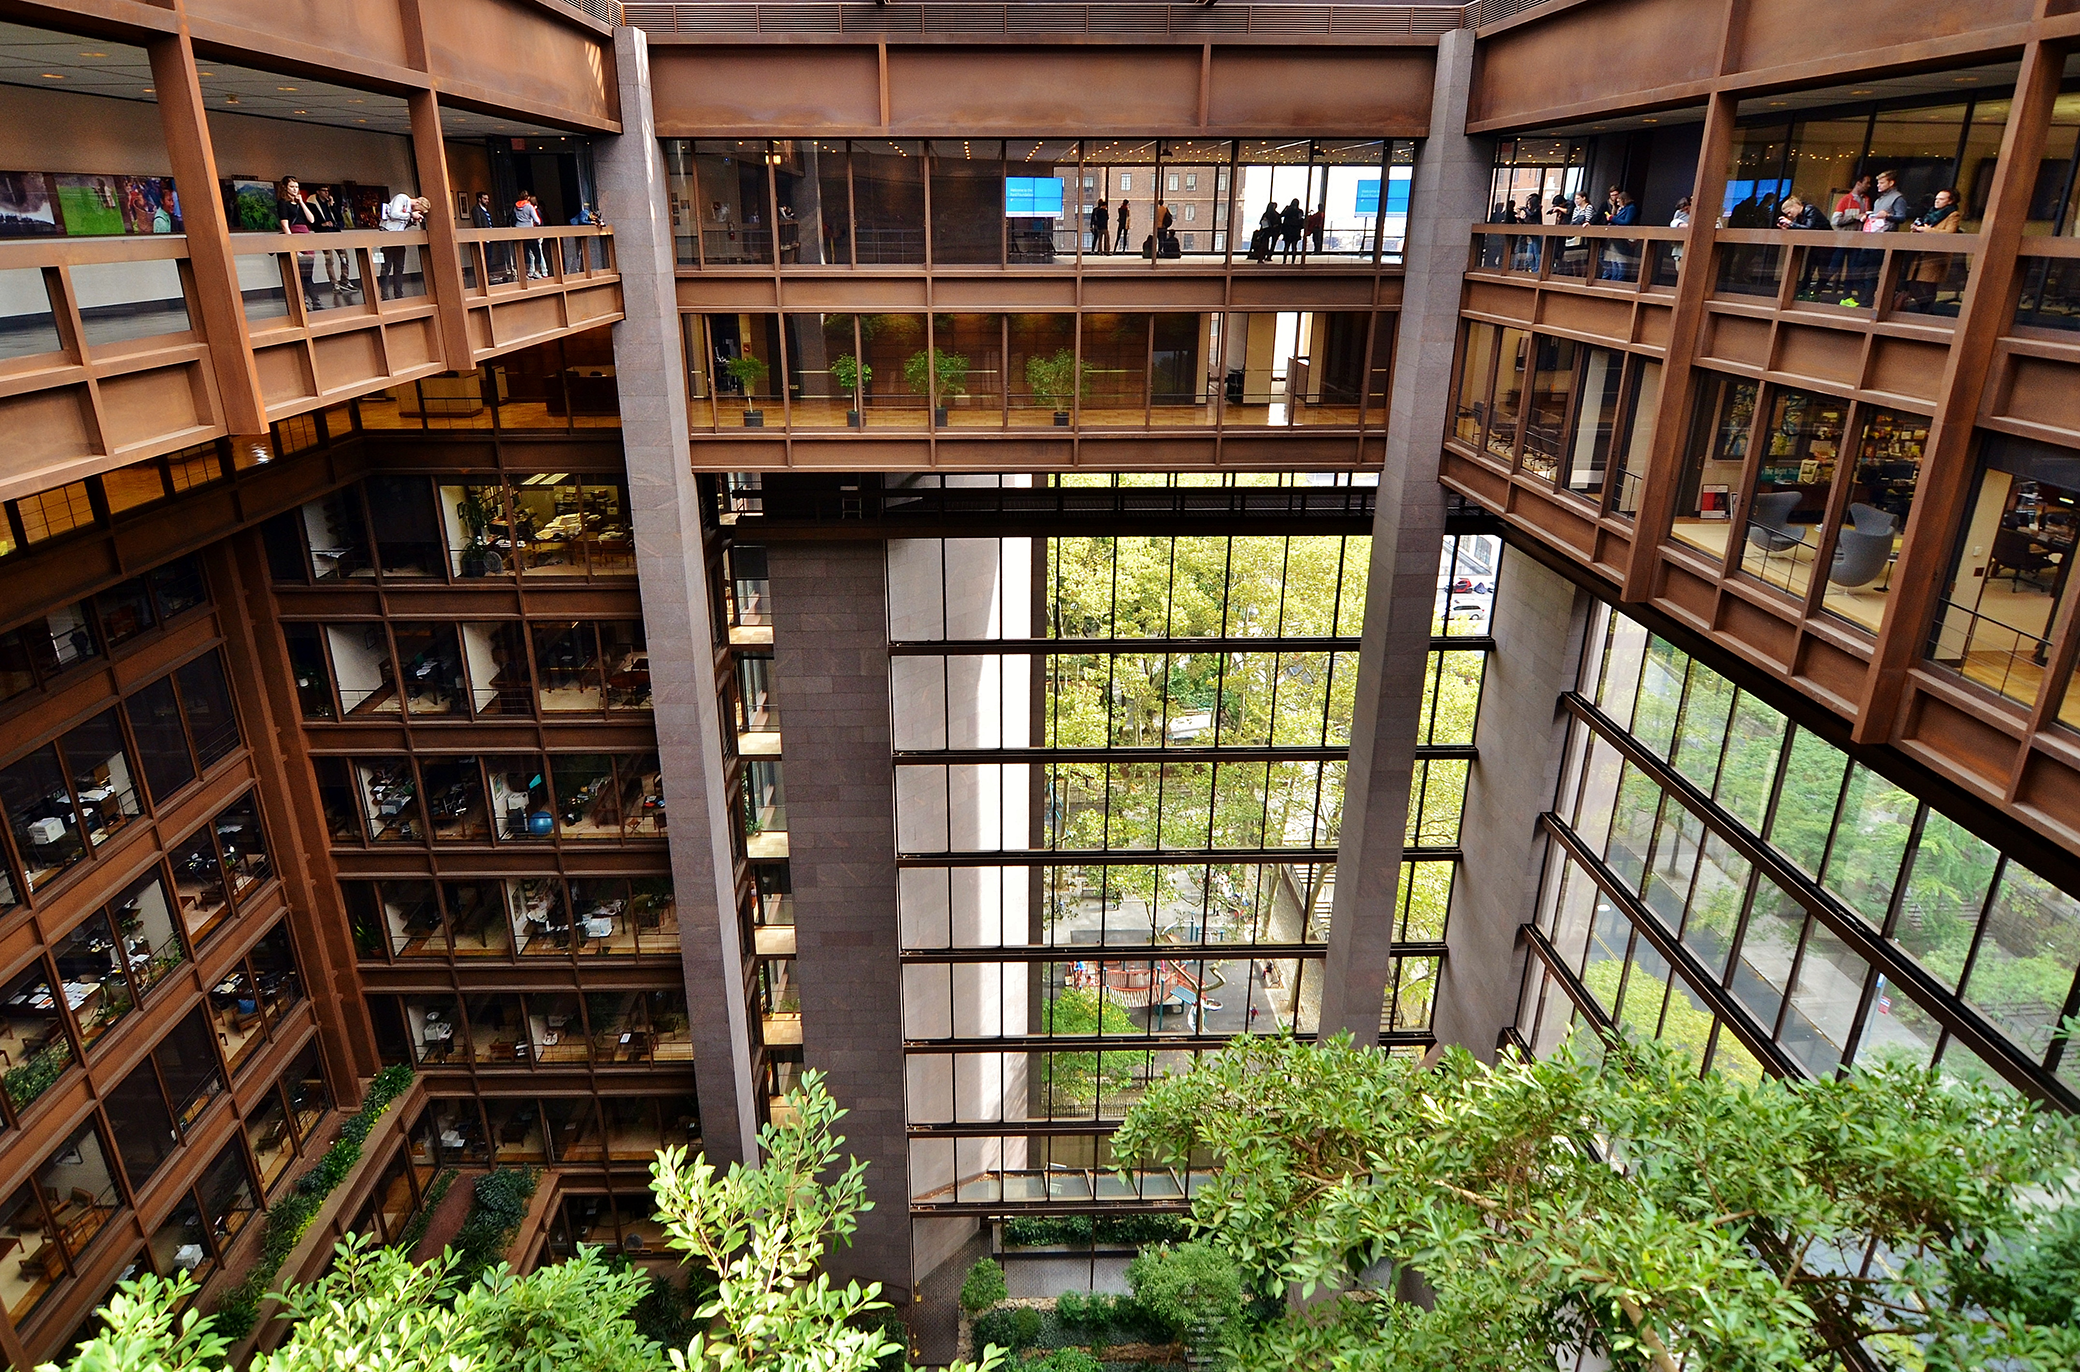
(249, 243)
(514, 235)
(77, 252)
(1010, 20)
(1853, 238)
(1629, 232)
(2049, 247)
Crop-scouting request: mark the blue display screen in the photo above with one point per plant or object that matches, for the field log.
(1033, 197)
(1397, 195)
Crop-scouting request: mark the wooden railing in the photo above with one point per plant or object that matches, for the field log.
(520, 285)
(104, 356)
(1902, 277)
(1628, 257)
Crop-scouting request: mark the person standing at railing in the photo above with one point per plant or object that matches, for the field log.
(1925, 276)
(1681, 218)
(1618, 263)
(400, 214)
(294, 214)
(526, 215)
(1292, 224)
(326, 216)
(1526, 254)
(480, 217)
(1126, 211)
(1890, 209)
(1101, 225)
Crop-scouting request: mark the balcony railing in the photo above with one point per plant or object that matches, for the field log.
(101, 357)
(1630, 257)
(1906, 277)
(105, 355)
(1194, 20)
(2049, 274)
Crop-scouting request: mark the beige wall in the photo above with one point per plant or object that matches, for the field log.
(85, 133)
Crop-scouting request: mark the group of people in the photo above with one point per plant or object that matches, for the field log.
(1161, 241)
(1873, 204)
(1289, 227)
(1284, 230)
(1617, 260)
(1618, 208)
(321, 211)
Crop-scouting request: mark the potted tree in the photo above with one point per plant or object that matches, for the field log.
(939, 373)
(854, 376)
(749, 373)
(476, 512)
(1056, 379)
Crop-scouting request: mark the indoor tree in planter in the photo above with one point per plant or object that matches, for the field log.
(749, 373)
(939, 373)
(853, 377)
(1612, 1199)
(1056, 379)
(476, 511)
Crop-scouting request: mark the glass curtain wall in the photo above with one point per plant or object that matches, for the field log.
(1735, 884)
(1172, 370)
(1104, 833)
(1037, 201)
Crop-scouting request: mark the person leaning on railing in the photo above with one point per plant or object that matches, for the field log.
(1921, 280)
(400, 214)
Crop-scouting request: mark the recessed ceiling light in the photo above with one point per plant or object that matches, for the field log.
(285, 88)
(93, 54)
(52, 76)
(148, 90)
(361, 121)
(357, 102)
(1863, 92)
(205, 73)
(299, 111)
(1964, 80)
(1650, 121)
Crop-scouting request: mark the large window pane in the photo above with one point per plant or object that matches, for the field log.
(1712, 463)
(967, 200)
(91, 965)
(2010, 570)
(39, 808)
(2023, 969)
(32, 1035)
(888, 200)
(1787, 504)
(1888, 468)
(206, 702)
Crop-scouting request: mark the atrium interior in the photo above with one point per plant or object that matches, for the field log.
(613, 554)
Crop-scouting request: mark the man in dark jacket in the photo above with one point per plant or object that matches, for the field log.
(1101, 225)
(494, 253)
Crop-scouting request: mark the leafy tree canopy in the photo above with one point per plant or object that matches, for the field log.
(1625, 1205)
(763, 1229)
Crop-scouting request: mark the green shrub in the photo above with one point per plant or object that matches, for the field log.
(1194, 1290)
(1138, 1230)
(1065, 1360)
(239, 1308)
(495, 1213)
(984, 1286)
(1101, 1318)
(1014, 1329)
